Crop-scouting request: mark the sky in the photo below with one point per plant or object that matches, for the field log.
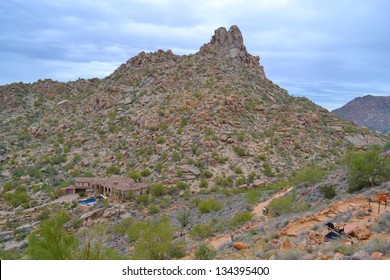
(328, 51)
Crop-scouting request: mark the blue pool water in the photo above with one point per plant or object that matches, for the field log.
(90, 200)
(87, 201)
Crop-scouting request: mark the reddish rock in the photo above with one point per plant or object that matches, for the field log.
(286, 244)
(376, 255)
(361, 233)
(240, 245)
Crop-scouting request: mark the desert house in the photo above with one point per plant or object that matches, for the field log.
(115, 188)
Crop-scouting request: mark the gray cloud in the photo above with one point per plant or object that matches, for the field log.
(329, 51)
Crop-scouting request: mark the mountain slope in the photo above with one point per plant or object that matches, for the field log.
(214, 113)
(368, 111)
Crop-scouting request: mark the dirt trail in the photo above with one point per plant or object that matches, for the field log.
(362, 214)
(219, 241)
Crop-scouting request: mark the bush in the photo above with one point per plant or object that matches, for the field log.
(146, 172)
(309, 175)
(153, 209)
(241, 218)
(184, 218)
(240, 181)
(240, 151)
(268, 170)
(205, 252)
(202, 231)
(160, 140)
(157, 189)
(286, 204)
(328, 191)
(206, 174)
(209, 205)
(383, 225)
(252, 196)
(155, 241)
(367, 169)
(142, 199)
(203, 183)
(113, 170)
(182, 185)
(135, 175)
(226, 182)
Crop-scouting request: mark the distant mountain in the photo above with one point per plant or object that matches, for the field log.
(368, 111)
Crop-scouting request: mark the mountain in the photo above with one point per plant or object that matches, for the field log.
(368, 111)
(209, 128)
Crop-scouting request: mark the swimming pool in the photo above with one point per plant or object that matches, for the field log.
(91, 200)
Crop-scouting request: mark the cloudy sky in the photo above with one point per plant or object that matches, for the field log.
(329, 51)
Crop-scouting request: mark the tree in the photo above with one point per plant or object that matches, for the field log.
(155, 241)
(367, 169)
(93, 247)
(51, 241)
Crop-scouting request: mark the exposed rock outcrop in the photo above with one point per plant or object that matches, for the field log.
(231, 43)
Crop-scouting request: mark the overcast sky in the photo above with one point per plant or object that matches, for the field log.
(329, 51)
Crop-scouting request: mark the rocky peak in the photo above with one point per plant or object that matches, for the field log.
(230, 40)
(230, 43)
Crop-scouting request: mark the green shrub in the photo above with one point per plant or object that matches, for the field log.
(153, 209)
(252, 196)
(113, 170)
(328, 191)
(241, 136)
(157, 189)
(367, 169)
(241, 218)
(206, 174)
(135, 175)
(309, 175)
(142, 199)
(176, 156)
(226, 182)
(202, 231)
(238, 170)
(159, 166)
(268, 169)
(182, 185)
(160, 140)
(240, 151)
(251, 177)
(203, 183)
(240, 181)
(184, 218)
(155, 241)
(209, 205)
(285, 205)
(146, 172)
(205, 252)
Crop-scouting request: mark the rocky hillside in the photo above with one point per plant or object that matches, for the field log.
(203, 130)
(368, 111)
(174, 116)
